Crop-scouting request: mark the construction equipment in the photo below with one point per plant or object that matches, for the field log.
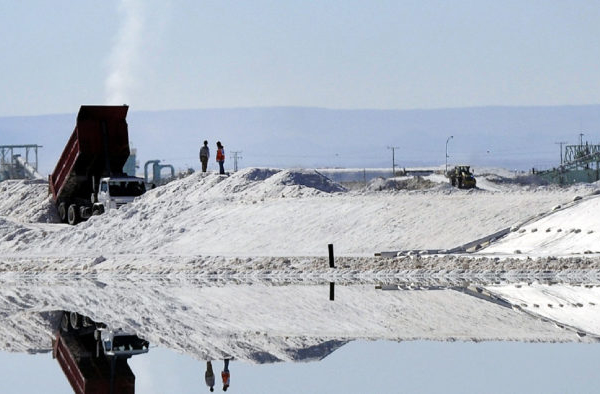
(462, 177)
(89, 177)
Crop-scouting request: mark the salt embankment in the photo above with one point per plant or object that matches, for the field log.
(268, 213)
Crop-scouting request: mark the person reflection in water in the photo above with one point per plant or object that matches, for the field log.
(225, 375)
(209, 376)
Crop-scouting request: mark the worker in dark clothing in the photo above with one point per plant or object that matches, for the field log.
(209, 376)
(204, 156)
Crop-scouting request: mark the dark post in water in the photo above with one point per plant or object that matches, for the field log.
(331, 264)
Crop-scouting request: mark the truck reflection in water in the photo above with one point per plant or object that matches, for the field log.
(94, 356)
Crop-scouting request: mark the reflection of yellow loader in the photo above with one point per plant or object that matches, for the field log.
(462, 177)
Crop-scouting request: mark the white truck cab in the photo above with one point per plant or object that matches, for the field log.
(113, 193)
(118, 343)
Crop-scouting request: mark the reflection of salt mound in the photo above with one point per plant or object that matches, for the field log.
(27, 331)
(271, 349)
(409, 183)
(305, 178)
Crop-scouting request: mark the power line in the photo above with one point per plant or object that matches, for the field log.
(236, 156)
(393, 148)
(561, 143)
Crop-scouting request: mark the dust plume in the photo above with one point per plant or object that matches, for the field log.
(125, 55)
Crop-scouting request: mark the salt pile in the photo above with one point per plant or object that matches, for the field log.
(269, 212)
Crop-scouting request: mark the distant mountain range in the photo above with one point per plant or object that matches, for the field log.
(509, 137)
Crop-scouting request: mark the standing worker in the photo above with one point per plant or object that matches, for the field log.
(204, 155)
(225, 376)
(209, 376)
(220, 157)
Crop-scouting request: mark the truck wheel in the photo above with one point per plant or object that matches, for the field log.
(98, 209)
(87, 322)
(62, 212)
(64, 322)
(75, 320)
(72, 215)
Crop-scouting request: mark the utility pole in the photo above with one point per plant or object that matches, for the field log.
(448, 140)
(393, 148)
(561, 143)
(581, 139)
(235, 159)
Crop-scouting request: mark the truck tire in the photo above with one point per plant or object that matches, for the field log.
(64, 322)
(87, 322)
(72, 215)
(75, 320)
(98, 209)
(62, 212)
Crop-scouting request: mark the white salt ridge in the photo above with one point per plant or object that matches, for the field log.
(269, 212)
(569, 230)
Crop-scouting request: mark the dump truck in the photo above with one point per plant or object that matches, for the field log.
(462, 177)
(93, 357)
(88, 178)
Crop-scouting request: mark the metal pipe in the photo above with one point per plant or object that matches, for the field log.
(146, 169)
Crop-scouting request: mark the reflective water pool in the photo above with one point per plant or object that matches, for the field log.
(372, 337)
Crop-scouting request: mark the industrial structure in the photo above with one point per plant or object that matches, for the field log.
(581, 163)
(157, 178)
(131, 165)
(14, 166)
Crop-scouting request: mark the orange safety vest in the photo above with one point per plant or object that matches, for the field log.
(225, 376)
(220, 155)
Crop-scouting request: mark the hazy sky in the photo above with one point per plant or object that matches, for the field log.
(358, 367)
(161, 54)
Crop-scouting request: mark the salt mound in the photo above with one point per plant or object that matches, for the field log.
(257, 174)
(251, 184)
(409, 183)
(305, 178)
(27, 201)
(566, 230)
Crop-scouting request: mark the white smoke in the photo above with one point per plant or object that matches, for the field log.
(125, 56)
